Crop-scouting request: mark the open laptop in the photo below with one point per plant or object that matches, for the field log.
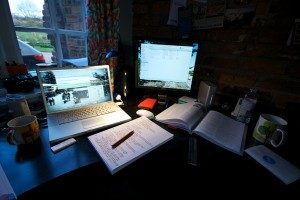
(78, 100)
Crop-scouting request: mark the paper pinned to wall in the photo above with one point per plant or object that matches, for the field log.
(237, 17)
(173, 14)
(294, 37)
(208, 14)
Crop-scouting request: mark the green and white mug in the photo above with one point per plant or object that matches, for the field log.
(270, 129)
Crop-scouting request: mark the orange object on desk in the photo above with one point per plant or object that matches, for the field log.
(147, 103)
(16, 69)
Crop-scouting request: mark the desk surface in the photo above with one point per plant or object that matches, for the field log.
(77, 170)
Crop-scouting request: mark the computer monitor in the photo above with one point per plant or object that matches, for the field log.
(165, 65)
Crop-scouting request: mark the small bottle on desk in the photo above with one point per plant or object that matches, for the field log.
(245, 106)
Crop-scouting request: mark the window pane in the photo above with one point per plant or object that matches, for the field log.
(69, 14)
(74, 50)
(30, 13)
(36, 48)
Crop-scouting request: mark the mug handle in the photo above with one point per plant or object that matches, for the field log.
(10, 137)
(283, 136)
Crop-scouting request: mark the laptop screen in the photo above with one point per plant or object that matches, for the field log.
(67, 89)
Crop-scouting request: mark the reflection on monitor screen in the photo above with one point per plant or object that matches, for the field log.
(165, 65)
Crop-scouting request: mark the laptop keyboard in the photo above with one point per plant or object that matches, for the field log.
(85, 113)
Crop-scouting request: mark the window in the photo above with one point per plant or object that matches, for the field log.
(55, 29)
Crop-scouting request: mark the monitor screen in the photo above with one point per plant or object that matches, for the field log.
(165, 65)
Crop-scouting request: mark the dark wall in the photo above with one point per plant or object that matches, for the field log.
(236, 58)
(126, 28)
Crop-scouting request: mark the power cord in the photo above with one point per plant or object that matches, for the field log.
(119, 100)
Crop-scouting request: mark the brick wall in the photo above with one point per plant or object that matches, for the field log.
(69, 16)
(237, 58)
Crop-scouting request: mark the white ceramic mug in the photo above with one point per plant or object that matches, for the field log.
(270, 129)
(24, 130)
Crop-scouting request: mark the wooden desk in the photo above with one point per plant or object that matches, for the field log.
(165, 172)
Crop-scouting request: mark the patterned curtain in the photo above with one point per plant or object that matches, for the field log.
(103, 32)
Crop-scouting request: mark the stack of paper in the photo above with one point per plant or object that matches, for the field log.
(145, 136)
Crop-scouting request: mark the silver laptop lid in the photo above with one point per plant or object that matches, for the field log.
(65, 89)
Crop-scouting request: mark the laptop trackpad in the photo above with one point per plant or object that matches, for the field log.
(94, 122)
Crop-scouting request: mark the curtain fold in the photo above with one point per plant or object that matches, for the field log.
(103, 32)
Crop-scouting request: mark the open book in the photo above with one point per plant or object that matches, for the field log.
(184, 116)
(214, 127)
(146, 137)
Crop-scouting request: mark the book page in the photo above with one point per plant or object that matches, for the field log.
(6, 191)
(147, 136)
(223, 131)
(183, 116)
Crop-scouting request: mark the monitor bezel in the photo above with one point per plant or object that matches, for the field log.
(182, 42)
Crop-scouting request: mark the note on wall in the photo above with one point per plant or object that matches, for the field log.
(173, 14)
(239, 16)
(208, 14)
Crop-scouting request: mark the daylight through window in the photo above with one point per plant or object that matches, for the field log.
(51, 31)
